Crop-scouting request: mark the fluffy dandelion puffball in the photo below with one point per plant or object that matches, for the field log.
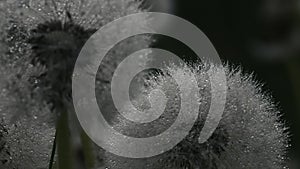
(39, 44)
(250, 135)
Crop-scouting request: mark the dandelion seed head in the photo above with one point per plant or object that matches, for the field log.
(52, 33)
(39, 44)
(250, 134)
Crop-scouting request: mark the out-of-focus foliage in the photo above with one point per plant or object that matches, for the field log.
(250, 134)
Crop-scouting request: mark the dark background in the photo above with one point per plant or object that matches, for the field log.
(263, 36)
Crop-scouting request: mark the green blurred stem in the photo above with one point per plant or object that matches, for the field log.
(64, 146)
(88, 150)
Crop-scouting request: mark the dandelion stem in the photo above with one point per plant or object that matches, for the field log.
(64, 146)
(88, 150)
(53, 151)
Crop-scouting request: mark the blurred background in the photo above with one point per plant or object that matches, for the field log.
(261, 36)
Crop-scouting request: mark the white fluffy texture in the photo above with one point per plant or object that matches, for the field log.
(249, 136)
(28, 132)
(28, 121)
(87, 13)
